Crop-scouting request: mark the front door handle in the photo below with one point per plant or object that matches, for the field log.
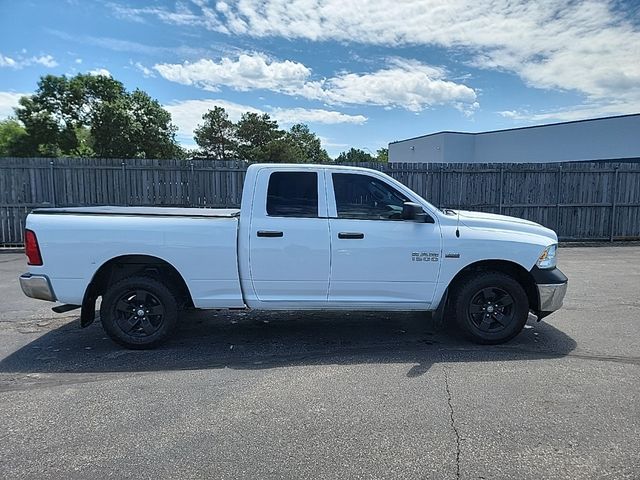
(351, 235)
(269, 233)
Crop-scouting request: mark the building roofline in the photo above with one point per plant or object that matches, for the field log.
(517, 128)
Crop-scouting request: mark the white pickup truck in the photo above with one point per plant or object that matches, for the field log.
(306, 237)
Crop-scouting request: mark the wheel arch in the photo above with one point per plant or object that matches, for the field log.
(124, 266)
(517, 271)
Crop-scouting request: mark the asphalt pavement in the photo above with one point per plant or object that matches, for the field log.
(329, 395)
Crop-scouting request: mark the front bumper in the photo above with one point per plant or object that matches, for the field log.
(37, 286)
(552, 287)
(551, 296)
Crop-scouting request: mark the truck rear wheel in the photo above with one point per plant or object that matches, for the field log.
(491, 307)
(139, 312)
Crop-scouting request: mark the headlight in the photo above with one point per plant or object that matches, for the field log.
(548, 258)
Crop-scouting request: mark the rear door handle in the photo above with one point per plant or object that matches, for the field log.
(351, 235)
(269, 233)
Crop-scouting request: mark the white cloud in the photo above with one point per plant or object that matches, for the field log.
(248, 71)
(118, 45)
(100, 71)
(21, 61)
(44, 60)
(568, 114)
(182, 15)
(187, 114)
(328, 143)
(289, 116)
(146, 71)
(588, 46)
(7, 61)
(78, 61)
(9, 100)
(404, 83)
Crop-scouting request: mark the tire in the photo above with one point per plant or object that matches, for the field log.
(139, 312)
(490, 307)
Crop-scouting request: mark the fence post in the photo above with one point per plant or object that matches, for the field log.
(52, 183)
(440, 186)
(191, 186)
(559, 189)
(125, 185)
(612, 221)
(501, 187)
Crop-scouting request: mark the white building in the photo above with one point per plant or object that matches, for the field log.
(610, 138)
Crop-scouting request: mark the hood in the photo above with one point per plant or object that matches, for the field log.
(492, 221)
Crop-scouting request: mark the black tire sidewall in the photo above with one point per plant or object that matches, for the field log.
(470, 286)
(160, 291)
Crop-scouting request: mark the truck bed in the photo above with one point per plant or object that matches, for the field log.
(200, 243)
(142, 211)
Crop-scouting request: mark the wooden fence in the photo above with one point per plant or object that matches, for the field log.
(579, 200)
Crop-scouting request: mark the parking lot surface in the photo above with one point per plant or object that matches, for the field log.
(329, 395)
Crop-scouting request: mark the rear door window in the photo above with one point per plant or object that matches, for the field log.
(292, 194)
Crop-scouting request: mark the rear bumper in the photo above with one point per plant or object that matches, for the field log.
(37, 286)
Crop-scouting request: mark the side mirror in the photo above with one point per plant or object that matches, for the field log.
(413, 211)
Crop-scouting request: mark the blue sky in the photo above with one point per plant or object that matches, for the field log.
(360, 73)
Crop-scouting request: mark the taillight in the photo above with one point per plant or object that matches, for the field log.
(31, 248)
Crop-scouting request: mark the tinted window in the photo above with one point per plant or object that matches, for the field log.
(293, 194)
(365, 197)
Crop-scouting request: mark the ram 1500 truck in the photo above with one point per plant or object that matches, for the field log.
(306, 237)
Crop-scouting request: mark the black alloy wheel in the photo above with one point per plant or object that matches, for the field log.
(139, 312)
(491, 309)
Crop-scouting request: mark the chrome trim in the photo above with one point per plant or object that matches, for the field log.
(37, 286)
(551, 296)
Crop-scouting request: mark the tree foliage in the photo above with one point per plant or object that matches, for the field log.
(382, 155)
(354, 155)
(216, 137)
(309, 144)
(89, 115)
(12, 134)
(133, 126)
(257, 138)
(255, 132)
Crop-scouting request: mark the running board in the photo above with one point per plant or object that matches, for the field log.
(65, 308)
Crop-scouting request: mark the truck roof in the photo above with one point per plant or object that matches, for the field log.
(308, 166)
(142, 211)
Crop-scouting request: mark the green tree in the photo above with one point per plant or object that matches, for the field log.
(382, 155)
(12, 134)
(156, 133)
(280, 150)
(133, 126)
(216, 136)
(112, 128)
(257, 138)
(94, 114)
(308, 143)
(354, 155)
(55, 114)
(253, 132)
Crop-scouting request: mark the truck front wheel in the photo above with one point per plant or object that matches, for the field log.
(138, 312)
(490, 307)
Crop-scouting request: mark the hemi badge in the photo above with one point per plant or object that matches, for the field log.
(451, 255)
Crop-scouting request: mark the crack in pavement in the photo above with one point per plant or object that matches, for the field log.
(453, 421)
